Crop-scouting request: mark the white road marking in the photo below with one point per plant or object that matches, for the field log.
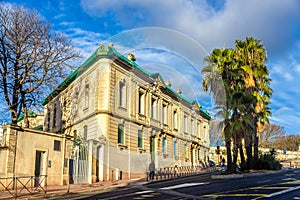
(182, 185)
(264, 181)
(283, 191)
(144, 192)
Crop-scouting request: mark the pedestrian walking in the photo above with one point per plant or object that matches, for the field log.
(151, 169)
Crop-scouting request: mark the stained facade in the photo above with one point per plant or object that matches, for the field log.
(122, 118)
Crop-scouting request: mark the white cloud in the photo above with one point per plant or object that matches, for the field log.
(276, 23)
(266, 20)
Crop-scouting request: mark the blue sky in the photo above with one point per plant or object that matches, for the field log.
(173, 36)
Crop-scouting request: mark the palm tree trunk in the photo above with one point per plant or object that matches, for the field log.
(242, 156)
(248, 147)
(228, 150)
(256, 146)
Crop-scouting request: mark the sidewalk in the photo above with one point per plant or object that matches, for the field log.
(76, 190)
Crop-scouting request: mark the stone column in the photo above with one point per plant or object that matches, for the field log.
(90, 161)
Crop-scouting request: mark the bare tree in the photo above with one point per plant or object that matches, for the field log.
(216, 136)
(32, 58)
(288, 142)
(270, 135)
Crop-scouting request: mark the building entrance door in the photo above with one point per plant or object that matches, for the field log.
(37, 169)
(81, 165)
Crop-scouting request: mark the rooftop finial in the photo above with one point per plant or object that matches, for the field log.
(178, 91)
(168, 83)
(131, 57)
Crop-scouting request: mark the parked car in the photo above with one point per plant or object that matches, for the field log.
(211, 163)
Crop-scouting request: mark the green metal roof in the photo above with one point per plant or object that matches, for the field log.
(110, 52)
(30, 115)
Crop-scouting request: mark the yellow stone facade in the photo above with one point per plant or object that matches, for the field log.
(122, 117)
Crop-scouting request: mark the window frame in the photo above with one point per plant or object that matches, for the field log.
(57, 145)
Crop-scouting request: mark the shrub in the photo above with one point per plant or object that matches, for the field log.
(267, 161)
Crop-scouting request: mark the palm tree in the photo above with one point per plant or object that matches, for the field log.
(251, 57)
(220, 80)
(238, 81)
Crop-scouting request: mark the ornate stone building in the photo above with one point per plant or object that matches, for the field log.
(122, 117)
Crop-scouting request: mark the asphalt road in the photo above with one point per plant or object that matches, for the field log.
(280, 185)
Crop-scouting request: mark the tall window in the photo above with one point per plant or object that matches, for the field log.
(175, 119)
(165, 114)
(163, 145)
(199, 154)
(48, 120)
(85, 132)
(54, 117)
(192, 127)
(198, 130)
(175, 148)
(140, 139)
(185, 121)
(86, 95)
(153, 108)
(122, 94)
(121, 134)
(141, 103)
(186, 152)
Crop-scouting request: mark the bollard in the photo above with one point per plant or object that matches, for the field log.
(121, 173)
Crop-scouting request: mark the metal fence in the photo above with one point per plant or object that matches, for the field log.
(174, 172)
(22, 185)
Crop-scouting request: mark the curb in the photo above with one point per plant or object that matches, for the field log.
(235, 176)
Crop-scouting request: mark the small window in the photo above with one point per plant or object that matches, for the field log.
(56, 145)
(121, 139)
(140, 139)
